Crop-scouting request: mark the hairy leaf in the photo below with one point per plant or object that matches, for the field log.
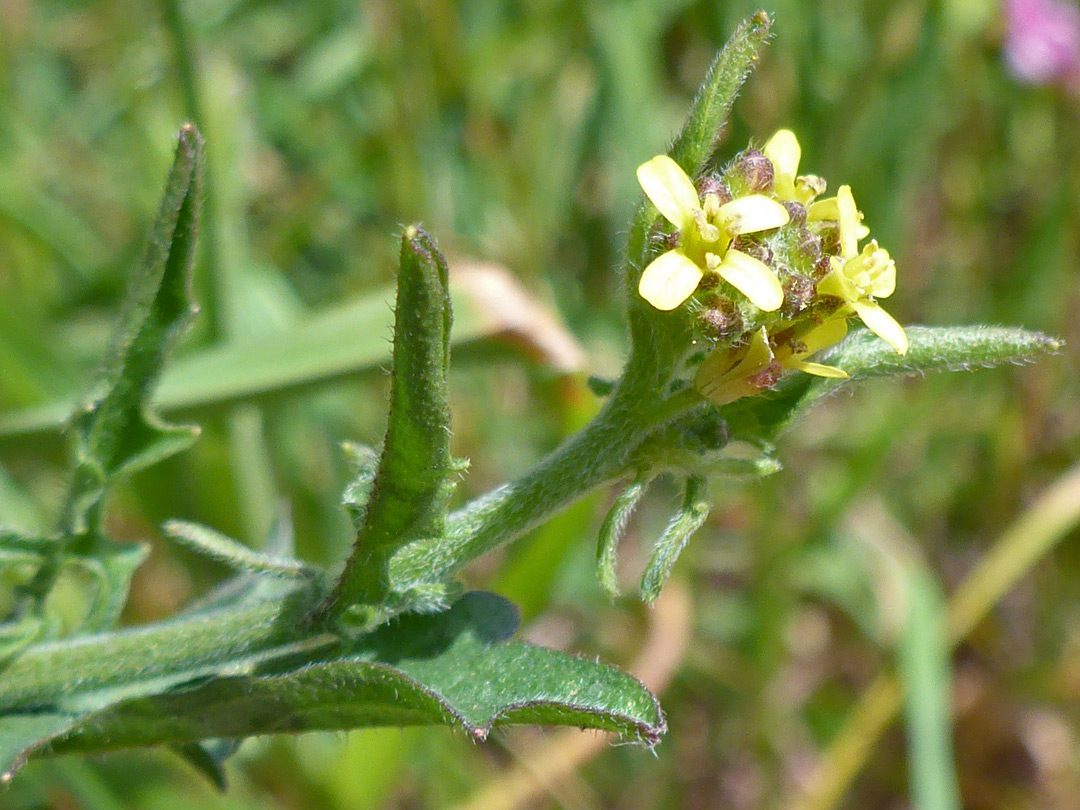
(455, 668)
(416, 474)
(20, 734)
(688, 519)
(938, 348)
(232, 553)
(116, 432)
(611, 532)
(709, 112)
(863, 356)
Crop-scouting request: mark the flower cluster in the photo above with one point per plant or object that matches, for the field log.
(770, 269)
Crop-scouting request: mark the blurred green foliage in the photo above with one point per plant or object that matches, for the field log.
(511, 130)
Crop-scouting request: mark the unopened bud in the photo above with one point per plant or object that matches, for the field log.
(751, 247)
(822, 267)
(796, 210)
(709, 281)
(720, 318)
(712, 184)
(752, 172)
(670, 241)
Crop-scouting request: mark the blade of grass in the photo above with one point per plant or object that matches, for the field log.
(339, 342)
(923, 660)
(922, 654)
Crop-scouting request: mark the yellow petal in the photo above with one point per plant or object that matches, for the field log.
(671, 191)
(758, 355)
(751, 214)
(753, 278)
(823, 209)
(722, 376)
(808, 187)
(885, 280)
(848, 220)
(669, 280)
(784, 152)
(828, 334)
(837, 284)
(882, 324)
(820, 370)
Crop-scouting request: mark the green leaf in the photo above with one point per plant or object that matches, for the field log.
(711, 107)
(22, 734)
(416, 474)
(455, 668)
(690, 517)
(939, 348)
(232, 553)
(117, 432)
(611, 532)
(208, 758)
(112, 566)
(864, 356)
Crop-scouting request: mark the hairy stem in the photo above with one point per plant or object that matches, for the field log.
(592, 457)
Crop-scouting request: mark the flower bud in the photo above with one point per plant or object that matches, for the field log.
(750, 173)
(751, 247)
(796, 210)
(712, 184)
(720, 318)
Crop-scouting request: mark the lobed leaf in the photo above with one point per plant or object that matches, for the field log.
(117, 432)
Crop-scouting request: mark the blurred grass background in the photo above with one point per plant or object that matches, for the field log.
(512, 130)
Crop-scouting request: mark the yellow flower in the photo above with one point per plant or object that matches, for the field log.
(706, 228)
(793, 351)
(784, 152)
(858, 278)
(730, 374)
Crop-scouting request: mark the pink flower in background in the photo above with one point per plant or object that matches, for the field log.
(1042, 44)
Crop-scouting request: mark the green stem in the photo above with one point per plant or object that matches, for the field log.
(592, 457)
